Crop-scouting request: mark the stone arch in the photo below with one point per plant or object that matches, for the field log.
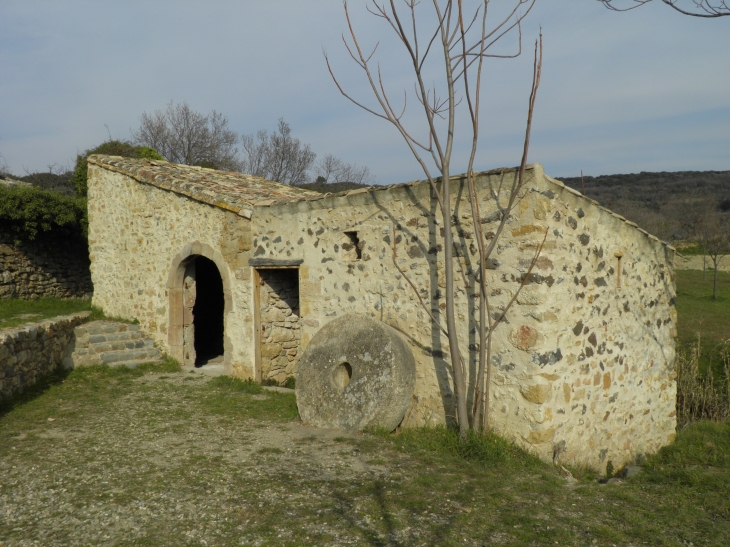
(176, 309)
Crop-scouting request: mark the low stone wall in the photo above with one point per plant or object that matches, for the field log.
(38, 269)
(30, 351)
(696, 262)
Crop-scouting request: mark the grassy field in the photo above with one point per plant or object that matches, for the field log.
(699, 314)
(15, 312)
(154, 456)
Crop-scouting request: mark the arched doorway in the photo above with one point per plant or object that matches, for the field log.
(199, 300)
(207, 312)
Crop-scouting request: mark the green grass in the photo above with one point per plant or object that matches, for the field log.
(15, 312)
(124, 437)
(699, 314)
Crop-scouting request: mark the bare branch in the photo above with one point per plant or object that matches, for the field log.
(708, 8)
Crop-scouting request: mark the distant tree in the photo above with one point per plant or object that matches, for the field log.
(703, 8)
(56, 179)
(714, 237)
(182, 135)
(112, 148)
(4, 169)
(277, 156)
(332, 170)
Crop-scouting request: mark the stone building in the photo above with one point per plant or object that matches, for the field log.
(214, 263)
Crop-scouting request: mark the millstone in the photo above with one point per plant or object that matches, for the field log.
(356, 372)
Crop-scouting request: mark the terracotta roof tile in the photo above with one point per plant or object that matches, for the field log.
(225, 189)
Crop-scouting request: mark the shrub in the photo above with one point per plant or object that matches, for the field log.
(110, 148)
(27, 212)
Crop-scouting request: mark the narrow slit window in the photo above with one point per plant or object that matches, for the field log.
(619, 255)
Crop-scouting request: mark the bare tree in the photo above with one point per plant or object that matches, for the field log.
(277, 156)
(702, 8)
(691, 216)
(4, 169)
(460, 40)
(714, 236)
(182, 135)
(331, 169)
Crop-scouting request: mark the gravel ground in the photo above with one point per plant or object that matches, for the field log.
(153, 461)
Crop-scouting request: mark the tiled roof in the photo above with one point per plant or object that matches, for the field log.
(228, 190)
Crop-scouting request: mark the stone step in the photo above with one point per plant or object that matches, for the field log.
(113, 343)
(112, 357)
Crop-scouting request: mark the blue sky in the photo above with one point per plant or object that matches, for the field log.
(647, 90)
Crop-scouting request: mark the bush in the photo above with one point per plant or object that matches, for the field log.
(109, 148)
(27, 212)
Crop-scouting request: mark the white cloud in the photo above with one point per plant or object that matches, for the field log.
(611, 82)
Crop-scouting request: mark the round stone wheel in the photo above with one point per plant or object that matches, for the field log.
(356, 372)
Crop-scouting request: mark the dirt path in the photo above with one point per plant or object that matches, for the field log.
(164, 460)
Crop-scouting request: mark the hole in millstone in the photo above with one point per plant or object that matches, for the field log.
(343, 375)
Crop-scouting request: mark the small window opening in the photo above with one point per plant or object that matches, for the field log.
(352, 246)
(343, 375)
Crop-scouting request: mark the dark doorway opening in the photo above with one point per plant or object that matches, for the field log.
(208, 311)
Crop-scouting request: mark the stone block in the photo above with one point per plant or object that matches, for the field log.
(524, 337)
(536, 393)
(540, 436)
(270, 351)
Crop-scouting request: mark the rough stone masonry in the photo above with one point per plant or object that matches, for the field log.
(583, 364)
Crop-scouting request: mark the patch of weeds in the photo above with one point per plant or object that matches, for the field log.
(308, 439)
(236, 384)
(289, 383)
(486, 449)
(703, 444)
(269, 450)
(583, 472)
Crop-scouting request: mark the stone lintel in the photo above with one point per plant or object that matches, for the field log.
(274, 263)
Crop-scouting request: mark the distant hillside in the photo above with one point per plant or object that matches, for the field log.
(653, 200)
(654, 190)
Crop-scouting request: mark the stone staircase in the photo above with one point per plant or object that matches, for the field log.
(112, 343)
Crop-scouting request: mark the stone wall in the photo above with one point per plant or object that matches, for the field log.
(29, 352)
(280, 328)
(141, 238)
(584, 363)
(44, 268)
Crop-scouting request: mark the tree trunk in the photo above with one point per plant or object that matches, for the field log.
(714, 282)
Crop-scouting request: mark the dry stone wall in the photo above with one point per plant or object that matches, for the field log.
(44, 268)
(280, 328)
(29, 352)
